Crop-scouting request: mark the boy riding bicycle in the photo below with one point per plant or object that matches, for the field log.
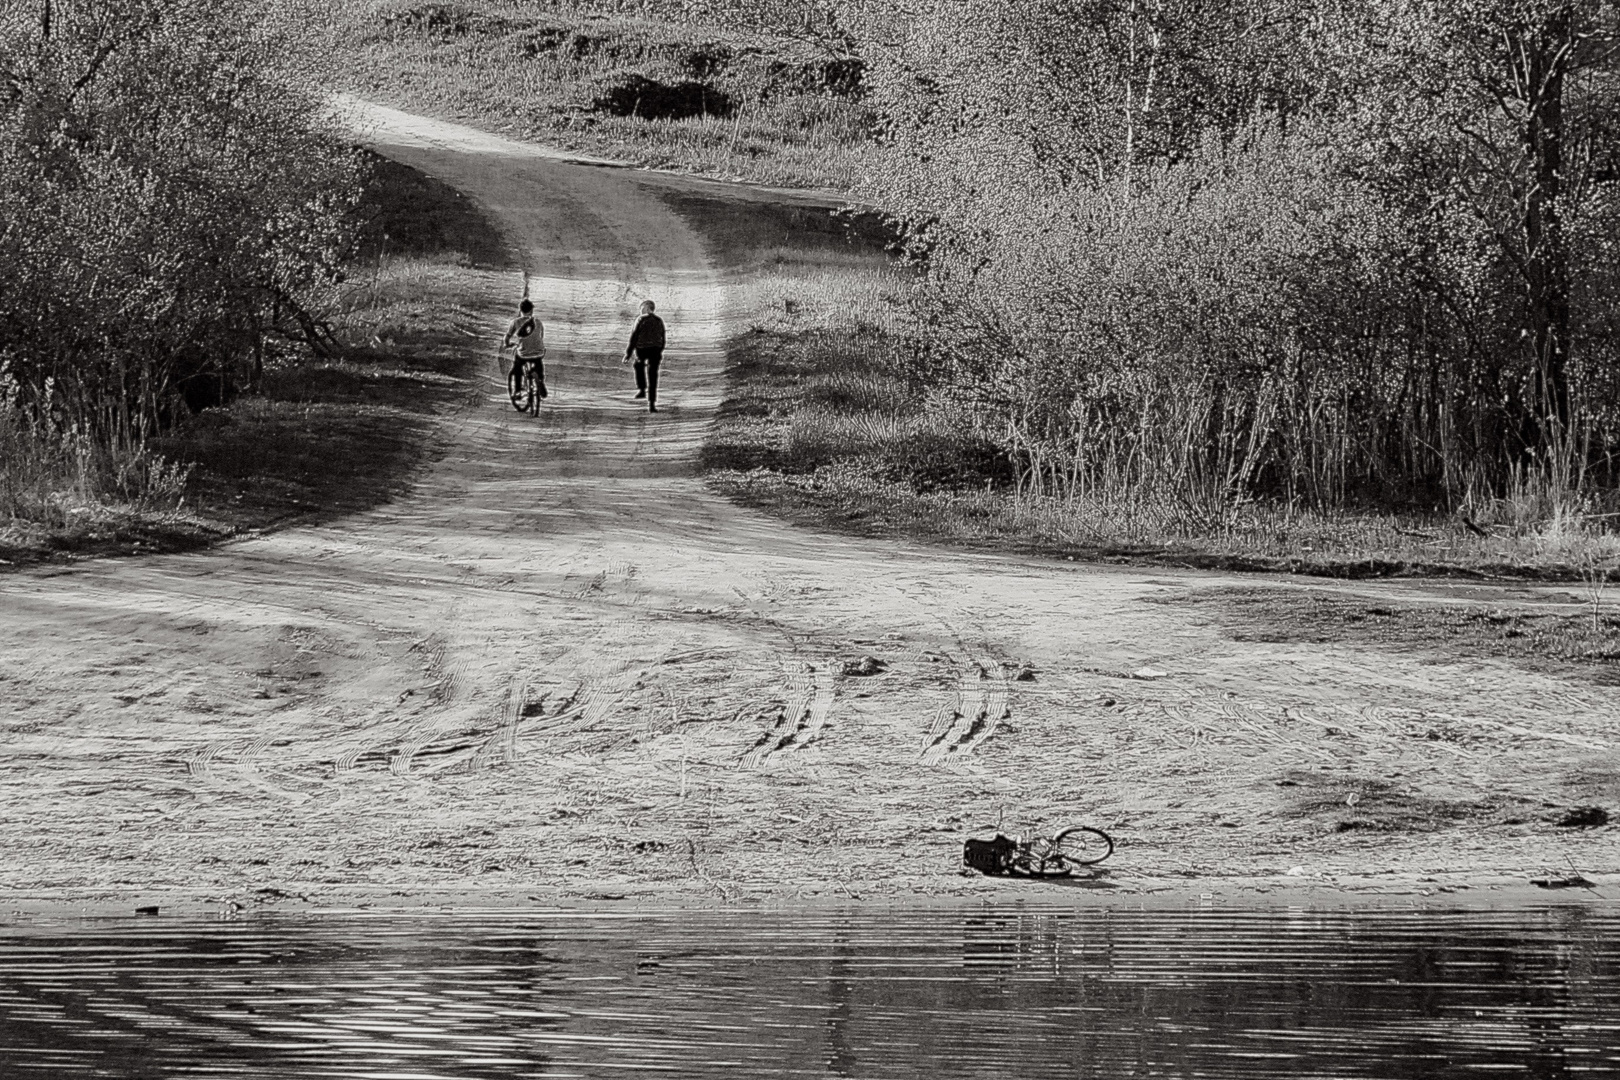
(530, 334)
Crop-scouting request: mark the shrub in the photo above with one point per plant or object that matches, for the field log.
(1312, 253)
(433, 20)
(168, 205)
(649, 99)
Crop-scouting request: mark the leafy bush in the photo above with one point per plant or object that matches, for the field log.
(637, 95)
(168, 206)
(1326, 253)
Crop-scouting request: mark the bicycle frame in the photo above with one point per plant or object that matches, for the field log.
(1039, 856)
(522, 386)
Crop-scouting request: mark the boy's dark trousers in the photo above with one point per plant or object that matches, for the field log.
(646, 365)
(539, 371)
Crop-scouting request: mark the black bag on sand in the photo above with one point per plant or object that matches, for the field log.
(989, 856)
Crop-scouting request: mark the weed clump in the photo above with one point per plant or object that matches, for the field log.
(1583, 817)
(433, 20)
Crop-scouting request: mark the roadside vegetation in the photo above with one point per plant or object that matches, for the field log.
(834, 419)
(326, 434)
(218, 315)
(1275, 271)
(1323, 287)
(732, 92)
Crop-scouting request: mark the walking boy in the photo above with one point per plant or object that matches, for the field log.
(647, 342)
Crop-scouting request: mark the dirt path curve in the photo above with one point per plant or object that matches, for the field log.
(560, 666)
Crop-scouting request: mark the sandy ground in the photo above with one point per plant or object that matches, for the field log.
(561, 669)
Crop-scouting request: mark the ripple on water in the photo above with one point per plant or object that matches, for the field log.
(1030, 992)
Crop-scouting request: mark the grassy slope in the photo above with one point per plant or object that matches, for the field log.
(702, 100)
(323, 438)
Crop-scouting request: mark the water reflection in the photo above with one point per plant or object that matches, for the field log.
(1093, 993)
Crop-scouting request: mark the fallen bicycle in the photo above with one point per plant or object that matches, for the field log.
(1058, 855)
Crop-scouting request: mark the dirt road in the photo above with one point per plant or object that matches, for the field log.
(559, 667)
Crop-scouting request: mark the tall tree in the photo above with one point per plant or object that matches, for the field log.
(1508, 108)
(1527, 58)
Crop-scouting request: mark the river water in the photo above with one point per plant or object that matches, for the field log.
(1009, 992)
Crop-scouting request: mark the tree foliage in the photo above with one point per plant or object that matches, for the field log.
(168, 203)
(1328, 251)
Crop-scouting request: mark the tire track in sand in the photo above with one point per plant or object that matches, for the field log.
(978, 704)
(803, 716)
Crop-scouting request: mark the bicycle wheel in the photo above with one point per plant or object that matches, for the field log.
(1079, 845)
(514, 390)
(531, 389)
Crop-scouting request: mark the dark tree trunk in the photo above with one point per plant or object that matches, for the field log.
(256, 379)
(1543, 60)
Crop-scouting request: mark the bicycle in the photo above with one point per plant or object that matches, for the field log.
(1058, 855)
(523, 387)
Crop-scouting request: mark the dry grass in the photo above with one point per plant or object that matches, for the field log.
(830, 422)
(1560, 638)
(701, 100)
(61, 490)
(849, 493)
(64, 492)
(49, 477)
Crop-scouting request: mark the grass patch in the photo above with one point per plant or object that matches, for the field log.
(820, 402)
(798, 411)
(412, 215)
(667, 95)
(1348, 803)
(320, 437)
(1585, 638)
